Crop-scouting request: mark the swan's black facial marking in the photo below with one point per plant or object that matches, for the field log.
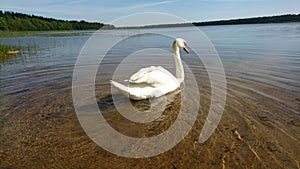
(185, 48)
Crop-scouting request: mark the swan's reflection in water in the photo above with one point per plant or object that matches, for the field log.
(154, 106)
(157, 114)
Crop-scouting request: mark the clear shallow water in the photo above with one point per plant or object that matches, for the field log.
(259, 127)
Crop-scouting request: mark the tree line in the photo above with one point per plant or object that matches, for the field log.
(257, 20)
(13, 21)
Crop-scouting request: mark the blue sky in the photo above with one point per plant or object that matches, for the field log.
(191, 10)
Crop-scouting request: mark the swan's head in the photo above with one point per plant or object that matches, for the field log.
(181, 43)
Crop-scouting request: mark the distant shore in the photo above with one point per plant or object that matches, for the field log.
(14, 21)
(20, 25)
(289, 18)
(18, 22)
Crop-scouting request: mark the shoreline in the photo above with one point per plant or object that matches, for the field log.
(60, 33)
(191, 25)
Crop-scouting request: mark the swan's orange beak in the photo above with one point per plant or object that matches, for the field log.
(186, 49)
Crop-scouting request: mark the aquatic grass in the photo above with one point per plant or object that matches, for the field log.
(9, 54)
(31, 50)
(8, 50)
(61, 33)
(12, 34)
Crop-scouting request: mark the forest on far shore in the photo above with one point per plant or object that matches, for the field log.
(289, 18)
(256, 20)
(13, 21)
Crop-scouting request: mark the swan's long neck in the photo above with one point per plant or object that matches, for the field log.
(178, 63)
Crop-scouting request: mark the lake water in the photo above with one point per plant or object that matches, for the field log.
(260, 127)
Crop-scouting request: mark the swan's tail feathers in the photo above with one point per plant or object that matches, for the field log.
(122, 88)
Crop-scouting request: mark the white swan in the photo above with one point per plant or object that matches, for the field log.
(155, 81)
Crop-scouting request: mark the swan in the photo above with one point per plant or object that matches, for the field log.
(155, 81)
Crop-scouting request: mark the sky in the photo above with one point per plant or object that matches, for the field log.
(106, 11)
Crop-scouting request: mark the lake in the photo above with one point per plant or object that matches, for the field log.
(260, 126)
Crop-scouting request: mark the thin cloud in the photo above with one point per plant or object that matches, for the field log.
(140, 6)
(75, 2)
(51, 9)
(230, 0)
(41, 10)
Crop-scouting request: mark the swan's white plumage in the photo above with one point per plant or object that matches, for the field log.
(154, 76)
(154, 81)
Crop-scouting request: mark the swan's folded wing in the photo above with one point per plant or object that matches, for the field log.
(152, 75)
(142, 75)
(164, 70)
